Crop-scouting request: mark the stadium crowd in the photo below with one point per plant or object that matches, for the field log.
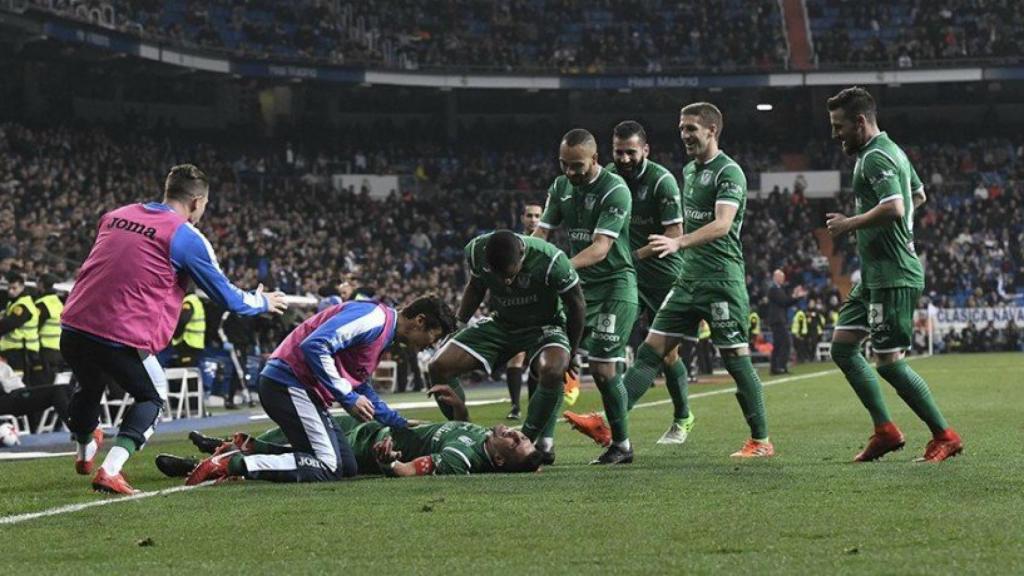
(521, 34)
(55, 182)
(907, 32)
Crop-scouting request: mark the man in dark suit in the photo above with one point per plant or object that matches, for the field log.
(779, 301)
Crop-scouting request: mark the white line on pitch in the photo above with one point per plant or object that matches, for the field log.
(733, 390)
(83, 505)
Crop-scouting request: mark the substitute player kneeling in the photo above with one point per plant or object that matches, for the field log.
(328, 358)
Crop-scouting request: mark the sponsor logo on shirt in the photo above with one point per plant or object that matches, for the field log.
(578, 235)
(124, 224)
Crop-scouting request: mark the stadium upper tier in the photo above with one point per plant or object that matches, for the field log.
(571, 37)
(905, 33)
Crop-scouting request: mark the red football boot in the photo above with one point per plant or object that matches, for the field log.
(102, 482)
(591, 425)
(887, 438)
(943, 447)
(213, 468)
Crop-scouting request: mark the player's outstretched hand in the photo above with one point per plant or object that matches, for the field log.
(444, 394)
(361, 409)
(275, 300)
(663, 245)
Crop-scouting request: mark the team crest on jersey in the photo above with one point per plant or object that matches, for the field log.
(466, 440)
(641, 194)
(705, 177)
(719, 311)
(523, 280)
(589, 201)
(605, 323)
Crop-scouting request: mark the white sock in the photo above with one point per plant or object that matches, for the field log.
(86, 452)
(115, 460)
(546, 444)
(624, 445)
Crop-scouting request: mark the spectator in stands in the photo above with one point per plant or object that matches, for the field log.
(1012, 333)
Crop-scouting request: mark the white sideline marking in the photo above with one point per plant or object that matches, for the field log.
(83, 505)
(733, 390)
(32, 455)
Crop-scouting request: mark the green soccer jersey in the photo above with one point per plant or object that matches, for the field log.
(533, 297)
(718, 181)
(599, 207)
(656, 204)
(455, 447)
(883, 173)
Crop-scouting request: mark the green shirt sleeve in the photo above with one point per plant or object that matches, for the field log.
(552, 216)
(614, 215)
(882, 175)
(561, 275)
(666, 190)
(475, 268)
(451, 460)
(915, 181)
(731, 186)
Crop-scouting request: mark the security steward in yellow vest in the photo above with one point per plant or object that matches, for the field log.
(50, 308)
(190, 333)
(755, 327)
(19, 332)
(799, 330)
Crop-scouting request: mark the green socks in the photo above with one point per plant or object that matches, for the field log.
(615, 399)
(126, 443)
(677, 382)
(862, 378)
(236, 465)
(749, 394)
(914, 391)
(446, 409)
(542, 413)
(638, 378)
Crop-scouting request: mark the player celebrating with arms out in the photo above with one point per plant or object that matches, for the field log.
(593, 204)
(887, 190)
(656, 209)
(529, 282)
(712, 284)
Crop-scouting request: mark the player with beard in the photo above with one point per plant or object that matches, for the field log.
(656, 210)
(881, 306)
(593, 204)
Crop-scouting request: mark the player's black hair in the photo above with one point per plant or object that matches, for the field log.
(627, 129)
(436, 312)
(503, 249)
(531, 463)
(327, 290)
(529, 203)
(708, 113)
(15, 278)
(854, 101)
(185, 182)
(579, 137)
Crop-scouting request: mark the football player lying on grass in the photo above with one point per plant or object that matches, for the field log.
(454, 447)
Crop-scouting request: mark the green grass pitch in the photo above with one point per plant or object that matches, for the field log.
(688, 509)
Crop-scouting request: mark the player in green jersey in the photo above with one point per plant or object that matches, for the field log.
(712, 284)
(536, 305)
(657, 209)
(455, 447)
(887, 190)
(593, 205)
